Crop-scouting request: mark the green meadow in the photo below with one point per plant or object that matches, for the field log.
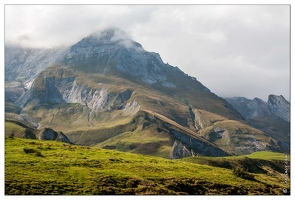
(51, 167)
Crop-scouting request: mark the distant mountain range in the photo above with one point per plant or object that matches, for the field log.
(271, 117)
(107, 91)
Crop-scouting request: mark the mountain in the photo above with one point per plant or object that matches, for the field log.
(22, 65)
(271, 117)
(107, 91)
(279, 106)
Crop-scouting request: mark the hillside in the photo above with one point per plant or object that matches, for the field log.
(19, 130)
(50, 167)
(271, 117)
(93, 110)
(106, 90)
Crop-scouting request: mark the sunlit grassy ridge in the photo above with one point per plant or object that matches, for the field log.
(60, 168)
(266, 155)
(189, 109)
(257, 162)
(145, 142)
(17, 129)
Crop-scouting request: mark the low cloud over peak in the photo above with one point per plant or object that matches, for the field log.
(235, 50)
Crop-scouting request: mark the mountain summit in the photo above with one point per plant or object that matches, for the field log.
(107, 91)
(279, 106)
(112, 51)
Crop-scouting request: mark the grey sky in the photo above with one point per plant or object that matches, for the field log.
(234, 50)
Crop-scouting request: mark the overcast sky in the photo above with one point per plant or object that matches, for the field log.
(234, 50)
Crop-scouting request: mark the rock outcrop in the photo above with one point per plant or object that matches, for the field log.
(50, 134)
(279, 106)
(66, 90)
(180, 151)
(197, 146)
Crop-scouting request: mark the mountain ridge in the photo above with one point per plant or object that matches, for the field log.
(271, 117)
(107, 85)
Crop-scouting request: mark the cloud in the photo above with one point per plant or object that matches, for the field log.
(23, 38)
(122, 38)
(234, 50)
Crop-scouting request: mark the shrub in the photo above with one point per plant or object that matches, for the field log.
(132, 183)
(29, 150)
(242, 173)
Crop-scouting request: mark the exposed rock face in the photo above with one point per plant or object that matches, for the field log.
(180, 151)
(249, 145)
(26, 63)
(197, 146)
(249, 108)
(49, 134)
(112, 50)
(257, 108)
(65, 90)
(13, 91)
(22, 65)
(272, 117)
(216, 133)
(279, 106)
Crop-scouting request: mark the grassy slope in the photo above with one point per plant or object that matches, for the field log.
(257, 161)
(65, 169)
(16, 129)
(274, 126)
(266, 155)
(164, 101)
(144, 142)
(79, 123)
(236, 135)
(11, 127)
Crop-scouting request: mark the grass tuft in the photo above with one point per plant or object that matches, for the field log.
(34, 151)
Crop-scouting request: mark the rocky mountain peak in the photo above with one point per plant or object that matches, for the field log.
(258, 101)
(107, 83)
(271, 117)
(112, 51)
(277, 100)
(111, 36)
(279, 106)
(276, 106)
